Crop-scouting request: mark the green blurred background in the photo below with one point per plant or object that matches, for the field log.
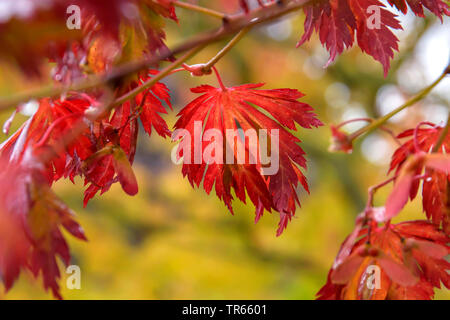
(173, 242)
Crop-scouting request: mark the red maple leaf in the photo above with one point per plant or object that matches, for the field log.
(241, 110)
(150, 106)
(410, 257)
(105, 167)
(102, 153)
(336, 22)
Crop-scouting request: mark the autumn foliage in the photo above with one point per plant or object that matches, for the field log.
(89, 129)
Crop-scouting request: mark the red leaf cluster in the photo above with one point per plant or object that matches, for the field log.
(338, 21)
(30, 214)
(408, 258)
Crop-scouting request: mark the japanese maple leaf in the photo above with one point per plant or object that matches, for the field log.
(150, 106)
(336, 22)
(235, 162)
(410, 257)
(36, 216)
(435, 190)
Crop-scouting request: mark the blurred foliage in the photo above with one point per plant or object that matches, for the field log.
(173, 242)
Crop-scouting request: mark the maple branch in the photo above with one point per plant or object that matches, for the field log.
(380, 121)
(443, 135)
(165, 72)
(207, 66)
(193, 7)
(232, 24)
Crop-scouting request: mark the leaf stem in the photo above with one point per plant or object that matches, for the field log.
(380, 121)
(353, 120)
(368, 213)
(219, 79)
(374, 189)
(193, 7)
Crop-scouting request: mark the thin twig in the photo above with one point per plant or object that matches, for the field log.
(374, 189)
(387, 130)
(207, 67)
(193, 7)
(380, 121)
